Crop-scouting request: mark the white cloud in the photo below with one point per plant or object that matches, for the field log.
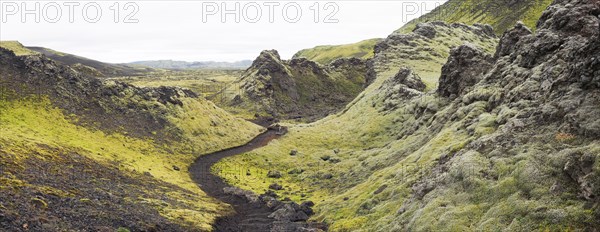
(175, 29)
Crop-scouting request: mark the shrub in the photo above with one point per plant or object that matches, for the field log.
(564, 137)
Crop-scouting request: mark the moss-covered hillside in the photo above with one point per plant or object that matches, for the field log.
(502, 15)
(325, 54)
(78, 153)
(507, 141)
(81, 64)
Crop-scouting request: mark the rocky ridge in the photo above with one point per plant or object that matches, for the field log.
(108, 105)
(297, 88)
(540, 89)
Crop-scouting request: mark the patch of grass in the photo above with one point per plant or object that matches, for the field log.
(206, 83)
(17, 48)
(499, 15)
(326, 53)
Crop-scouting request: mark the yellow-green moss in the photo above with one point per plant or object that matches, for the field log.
(27, 123)
(17, 48)
(326, 53)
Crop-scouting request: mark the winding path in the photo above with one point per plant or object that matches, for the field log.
(249, 216)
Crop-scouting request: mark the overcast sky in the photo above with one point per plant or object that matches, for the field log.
(195, 31)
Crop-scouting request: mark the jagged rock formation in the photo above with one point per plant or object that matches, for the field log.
(465, 65)
(426, 49)
(510, 39)
(543, 93)
(404, 85)
(298, 88)
(556, 68)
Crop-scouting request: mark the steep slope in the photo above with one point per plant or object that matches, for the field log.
(330, 155)
(426, 50)
(17, 48)
(325, 54)
(292, 89)
(507, 142)
(79, 153)
(502, 15)
(89, 66)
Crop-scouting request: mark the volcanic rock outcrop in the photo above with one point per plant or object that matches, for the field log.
(297, 88)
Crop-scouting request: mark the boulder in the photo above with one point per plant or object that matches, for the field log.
(289, 213)
(465, 67)
(409, 78)
(425, 29)
(275, 186)
(274, 174)
(510, 38)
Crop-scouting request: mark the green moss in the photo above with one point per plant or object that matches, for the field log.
(17, 48)
(327, 53)
(27, 123)
(122, 229)
(501, 16)
(39, 203)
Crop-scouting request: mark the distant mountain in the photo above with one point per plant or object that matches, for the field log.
(178, 65)
(89, 66)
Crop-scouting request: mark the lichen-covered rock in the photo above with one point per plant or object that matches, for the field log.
(580, 169)
(289, 213)
(403, 86)
(274, 174)
(427, 46)
(510, 38)
(268, 62)
(275, 186)
(426, 30)
(347, 63)
(244, 194)
(409, 78)
(557, 69)
(464, 68)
